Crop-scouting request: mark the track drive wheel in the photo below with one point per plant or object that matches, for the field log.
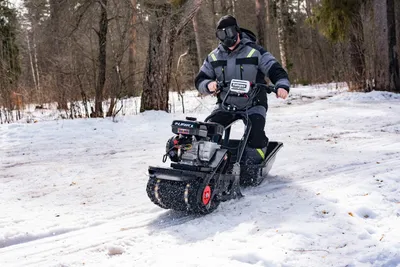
(206, 202)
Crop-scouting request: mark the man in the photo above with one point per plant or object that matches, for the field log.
(239, 57)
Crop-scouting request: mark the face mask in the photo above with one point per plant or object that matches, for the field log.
(228, 36)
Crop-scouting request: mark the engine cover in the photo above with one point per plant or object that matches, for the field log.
(196, 128)
(201, 151)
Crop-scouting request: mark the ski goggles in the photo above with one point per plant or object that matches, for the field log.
(229, 32)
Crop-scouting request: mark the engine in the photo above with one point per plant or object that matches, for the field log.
(194, 142)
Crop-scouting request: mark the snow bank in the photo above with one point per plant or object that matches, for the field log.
(366, 97)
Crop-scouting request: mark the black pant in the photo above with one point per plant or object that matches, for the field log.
(257, 138)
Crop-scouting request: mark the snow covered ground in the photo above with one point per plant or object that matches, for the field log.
(72, 192)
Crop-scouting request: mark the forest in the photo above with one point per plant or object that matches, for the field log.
(91, 51)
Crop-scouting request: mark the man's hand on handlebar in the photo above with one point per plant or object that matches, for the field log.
(212, 87)
(281, 93)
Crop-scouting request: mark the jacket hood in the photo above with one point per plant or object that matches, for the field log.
(248, 36)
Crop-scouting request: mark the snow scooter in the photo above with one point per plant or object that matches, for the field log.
(206, 169)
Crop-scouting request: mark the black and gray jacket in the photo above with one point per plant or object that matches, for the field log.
(248, 61)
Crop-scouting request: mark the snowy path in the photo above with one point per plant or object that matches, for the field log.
(73, 192)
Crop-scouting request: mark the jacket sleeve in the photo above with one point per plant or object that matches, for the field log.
(204, 77)
(274, 71)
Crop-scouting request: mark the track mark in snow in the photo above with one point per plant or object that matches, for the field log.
(171, 218)
(24, 238)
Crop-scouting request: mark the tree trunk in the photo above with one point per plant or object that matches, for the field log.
(358, 79)
(267, 24)
(31, 62)
(35, 56)
(223, 6)
(282, 36)
(386, 63)
(213, 13)
(56, 7)
(260, 14)
(267, 12)
(394, 76)
(232, 8)
(159, 61)
(198, 40)
(397, 16)
(165, 26)
(118, 82)
(133, 52)
(102, 59)
(381, 61)
(312, 36)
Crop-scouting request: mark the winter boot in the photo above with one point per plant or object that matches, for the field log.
(250, 171)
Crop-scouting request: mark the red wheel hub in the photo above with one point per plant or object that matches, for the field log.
(206, 195)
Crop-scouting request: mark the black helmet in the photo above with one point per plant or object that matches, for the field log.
(227, 21)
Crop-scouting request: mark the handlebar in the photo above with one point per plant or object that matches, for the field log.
(241, 89)
(268, 88)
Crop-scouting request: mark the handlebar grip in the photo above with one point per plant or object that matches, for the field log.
(220, 85)
(268, 88)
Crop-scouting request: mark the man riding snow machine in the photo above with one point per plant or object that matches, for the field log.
(206, 168)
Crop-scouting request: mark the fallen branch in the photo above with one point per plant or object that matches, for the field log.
(382, 237)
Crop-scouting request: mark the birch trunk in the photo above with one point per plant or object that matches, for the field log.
(198, 41)
(35, 56)
(30, 52)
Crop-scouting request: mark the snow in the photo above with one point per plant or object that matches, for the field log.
(369, 97)
(73, 191)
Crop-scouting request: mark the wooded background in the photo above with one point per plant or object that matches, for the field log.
(66, 51)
